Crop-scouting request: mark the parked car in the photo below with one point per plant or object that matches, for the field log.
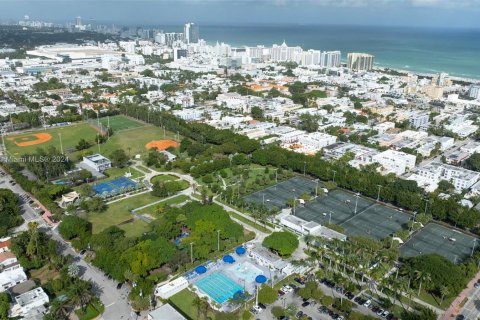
(349, 295)
(261, 305)
(305, 304)
(367, 303)
(299, 314)
(280, 292)
(119, 286)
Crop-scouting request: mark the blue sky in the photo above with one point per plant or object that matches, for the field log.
(436, 13)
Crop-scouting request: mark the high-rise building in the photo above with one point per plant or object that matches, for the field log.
(360, 61)
(330, 59)
(284, 53)
(474, 92)
(78, 21)
(191, 33)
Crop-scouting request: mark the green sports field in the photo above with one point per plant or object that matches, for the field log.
(132, 141)
(119, 123)
(70, 136)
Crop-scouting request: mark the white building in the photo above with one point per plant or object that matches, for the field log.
(474, 92)
(299, 225)
(29, 301)
(330, 59)
(11, 278)
(418, 119)
(395, 161)
(97, 162)
(165, 312)
(173, 287)
(459, 177)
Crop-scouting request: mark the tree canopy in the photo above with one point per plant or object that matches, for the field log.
(283, 243)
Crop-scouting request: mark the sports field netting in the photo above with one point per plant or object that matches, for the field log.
(116, 185)
(434, 238)
(338, 207)
(279, 194)
(117, 123)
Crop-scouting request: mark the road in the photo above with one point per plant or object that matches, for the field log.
(471, 309)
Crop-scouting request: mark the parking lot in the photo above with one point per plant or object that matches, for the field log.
(313, 310)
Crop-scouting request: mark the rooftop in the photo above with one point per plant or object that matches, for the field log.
(165, 312)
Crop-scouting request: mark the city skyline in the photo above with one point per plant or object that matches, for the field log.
(415, 13)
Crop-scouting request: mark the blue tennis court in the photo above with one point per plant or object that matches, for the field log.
(219, 287)
(114, 185)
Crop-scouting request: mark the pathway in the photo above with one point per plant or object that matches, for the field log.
(467, 293)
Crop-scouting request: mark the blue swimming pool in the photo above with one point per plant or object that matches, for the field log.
(219, 287)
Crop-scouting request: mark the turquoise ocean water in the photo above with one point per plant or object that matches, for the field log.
(455, 51)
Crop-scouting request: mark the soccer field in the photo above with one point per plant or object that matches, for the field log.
(119, 123)
(24, 143)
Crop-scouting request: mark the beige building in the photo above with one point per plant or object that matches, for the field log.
(360, 61)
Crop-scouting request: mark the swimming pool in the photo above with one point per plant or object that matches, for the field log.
(219, 287)
(245, 271)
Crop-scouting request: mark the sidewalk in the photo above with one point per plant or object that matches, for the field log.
(454, 308)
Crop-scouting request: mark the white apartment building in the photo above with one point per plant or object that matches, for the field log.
(28, 301)
(474, 92)
(330, 59)
(418, 119)
(11, 278)
(395, 161)
(316, 140)
(284, 53)
(459, 177)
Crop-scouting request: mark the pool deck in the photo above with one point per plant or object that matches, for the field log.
(246, 280)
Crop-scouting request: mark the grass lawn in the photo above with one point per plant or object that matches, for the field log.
(134, 229)
(145, 169)
(44, 274)
(93, 310)
(70, 136)
(175, 200)
(183, 301)
(119, 211)
(118, 123)
(163, 178)
(249, 222)
(132, 141)
(113, 173)
(434, 301)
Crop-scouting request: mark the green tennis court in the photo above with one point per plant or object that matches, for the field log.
(452, 244)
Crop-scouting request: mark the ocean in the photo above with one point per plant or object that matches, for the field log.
(423, 50)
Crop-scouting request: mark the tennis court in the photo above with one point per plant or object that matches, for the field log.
(435, 238)
(113, 186)
(278, 195)
(358, 215)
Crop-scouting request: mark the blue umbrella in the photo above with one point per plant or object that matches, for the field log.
(228, 259)
(200, 269)
(240, 250)
(261, 279)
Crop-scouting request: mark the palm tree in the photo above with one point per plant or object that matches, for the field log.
(444, 291)
(197, 303)
(422, 277)
(80, 293)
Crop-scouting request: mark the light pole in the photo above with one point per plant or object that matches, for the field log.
(263, 199)
(61, 145)
(218, 240)
(473, 248)
(378, 194)
(304, 167)
(413, 222)
(334, 172)
(356, 202)
(330, 218)
(191, 252)
(316, 190)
